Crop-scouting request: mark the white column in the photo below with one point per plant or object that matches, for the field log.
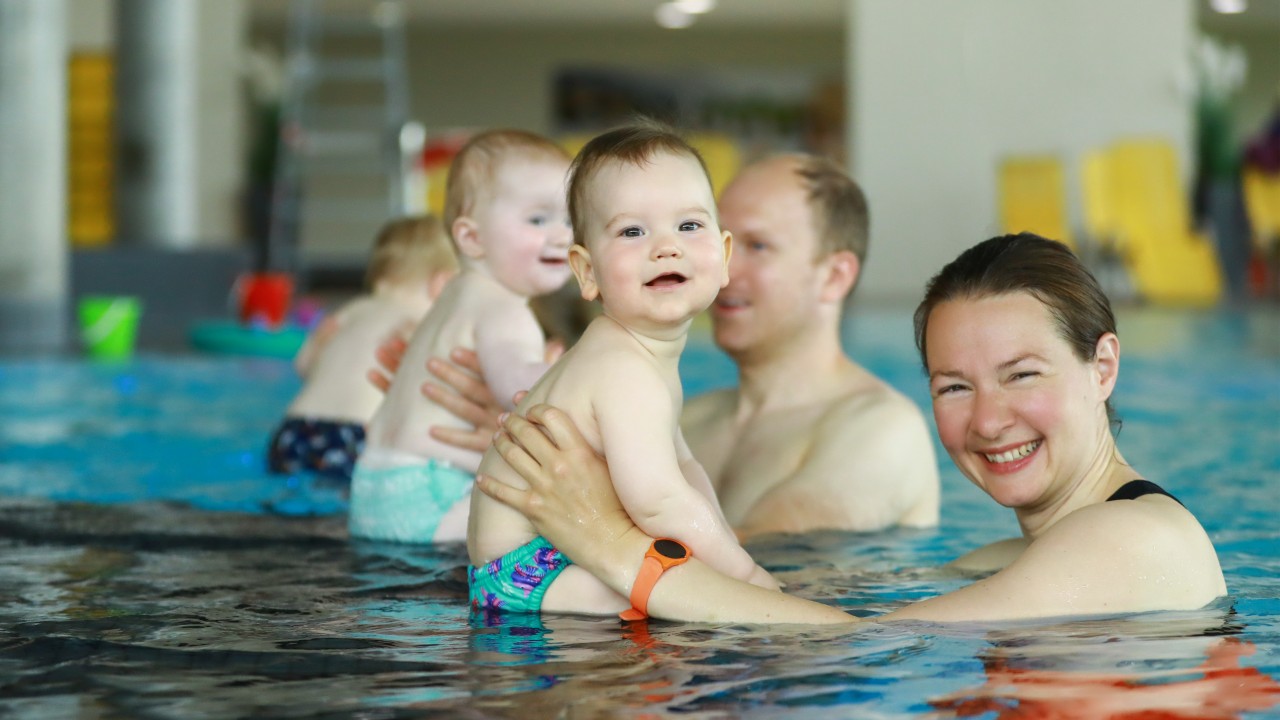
(941, 90)
(157, 85)
(220, 124)
(33, 172)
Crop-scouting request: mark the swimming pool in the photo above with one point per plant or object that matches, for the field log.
(149, 567)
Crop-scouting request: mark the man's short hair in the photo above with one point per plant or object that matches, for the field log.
(839, 207)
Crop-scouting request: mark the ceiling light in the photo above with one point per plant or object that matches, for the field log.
(695, 7)
(1229, 7)
(670, 16)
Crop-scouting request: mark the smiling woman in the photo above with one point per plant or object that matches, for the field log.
(1020, 345)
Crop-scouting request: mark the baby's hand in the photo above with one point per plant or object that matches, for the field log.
(388, 354)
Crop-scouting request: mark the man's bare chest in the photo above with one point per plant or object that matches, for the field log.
(761, 455)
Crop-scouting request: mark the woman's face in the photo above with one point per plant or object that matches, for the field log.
(1019, 413)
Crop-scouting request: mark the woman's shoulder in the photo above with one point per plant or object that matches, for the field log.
(1153, 523)
(1151, 545)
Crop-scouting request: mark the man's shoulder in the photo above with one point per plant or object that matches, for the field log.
(870, 402)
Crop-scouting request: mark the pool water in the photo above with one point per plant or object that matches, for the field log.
(150, 567)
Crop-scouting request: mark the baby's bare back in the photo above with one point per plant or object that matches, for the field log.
(336, 388)
(404, 419)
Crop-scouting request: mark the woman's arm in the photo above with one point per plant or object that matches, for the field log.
(572, 503)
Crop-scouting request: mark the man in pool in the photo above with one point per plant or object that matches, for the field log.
(808, 439)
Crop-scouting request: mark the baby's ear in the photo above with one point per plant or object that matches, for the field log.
(580, 264)
(728, 251)
(466, 235)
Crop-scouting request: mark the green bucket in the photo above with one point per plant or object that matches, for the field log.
(109, 325)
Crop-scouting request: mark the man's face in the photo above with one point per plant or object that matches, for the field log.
(773, 290)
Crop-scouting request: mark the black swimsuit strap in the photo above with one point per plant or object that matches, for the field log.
(1137, 488)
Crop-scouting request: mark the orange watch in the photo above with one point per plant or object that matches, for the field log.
(663, 555)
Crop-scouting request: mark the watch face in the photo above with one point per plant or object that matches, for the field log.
(670, 548)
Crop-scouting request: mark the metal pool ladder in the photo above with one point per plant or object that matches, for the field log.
(346, 150)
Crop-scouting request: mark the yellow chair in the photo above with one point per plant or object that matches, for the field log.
(1169, 263)
(1100, 221)
(438, 156)
(1033, 197)
(721, 154)
(573, 142)
(436, 178)
(90, 105)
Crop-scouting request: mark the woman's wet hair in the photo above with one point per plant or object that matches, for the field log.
(1025, 262)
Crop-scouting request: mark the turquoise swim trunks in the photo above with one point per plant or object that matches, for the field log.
(406, 503)
(516, 581)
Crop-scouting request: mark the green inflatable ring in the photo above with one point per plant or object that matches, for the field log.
(229, 337)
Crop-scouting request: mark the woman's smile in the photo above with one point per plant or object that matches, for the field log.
(1012, 459)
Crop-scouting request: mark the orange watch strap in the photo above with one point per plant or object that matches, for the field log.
(655, 563)
(650, 570)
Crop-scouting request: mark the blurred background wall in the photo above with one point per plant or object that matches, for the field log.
(944, 91)
(922, 99)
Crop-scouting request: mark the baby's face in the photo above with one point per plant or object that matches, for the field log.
(523, 225)
(654, 251)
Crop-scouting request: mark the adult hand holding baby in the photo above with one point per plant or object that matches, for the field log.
(570, 497)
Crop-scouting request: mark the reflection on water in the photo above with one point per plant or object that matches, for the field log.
(167, 611)
(148, 567)
(1022, 684)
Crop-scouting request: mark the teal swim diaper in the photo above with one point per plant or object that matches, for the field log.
(516, 581)
(406, 503)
